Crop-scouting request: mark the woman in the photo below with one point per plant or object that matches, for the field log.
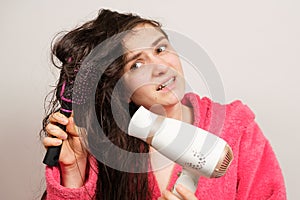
(150, 74)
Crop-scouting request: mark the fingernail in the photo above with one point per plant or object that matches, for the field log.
(179, 187)
(51, 127)
(59, 142)
(62, 118)
(64, 136)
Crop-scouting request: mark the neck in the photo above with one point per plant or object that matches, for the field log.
(180, 112)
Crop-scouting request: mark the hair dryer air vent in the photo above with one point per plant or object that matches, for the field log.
(223, 163)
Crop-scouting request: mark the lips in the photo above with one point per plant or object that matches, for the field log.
(166, 83)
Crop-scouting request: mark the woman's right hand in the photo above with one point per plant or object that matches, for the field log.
(73, 156)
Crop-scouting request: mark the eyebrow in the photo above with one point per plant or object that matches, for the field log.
(157, 41)
(140, 53)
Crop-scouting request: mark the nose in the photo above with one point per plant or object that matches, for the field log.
(159, 66)
(159, 69)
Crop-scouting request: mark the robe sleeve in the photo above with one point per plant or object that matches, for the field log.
(259, 173)
(55, 191)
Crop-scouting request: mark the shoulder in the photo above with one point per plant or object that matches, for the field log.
(239, 119)
(234, 113)
(239, 113)
(229, 121)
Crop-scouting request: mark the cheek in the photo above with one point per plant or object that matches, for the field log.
(132, 85)
(175, 62)
(141, 96)
(138, 79)
(137, 87)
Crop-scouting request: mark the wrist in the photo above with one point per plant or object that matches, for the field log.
(73, 176)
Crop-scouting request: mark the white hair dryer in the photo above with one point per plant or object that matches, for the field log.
(199, 152)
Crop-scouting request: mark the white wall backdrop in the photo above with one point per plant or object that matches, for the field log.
(255, 46)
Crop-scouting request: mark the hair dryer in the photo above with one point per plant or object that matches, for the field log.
(199, 152)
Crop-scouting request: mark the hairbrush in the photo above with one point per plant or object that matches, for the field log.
(73, 93)
(76, 93)
(65, 94)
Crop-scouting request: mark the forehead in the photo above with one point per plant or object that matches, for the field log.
(141, 36)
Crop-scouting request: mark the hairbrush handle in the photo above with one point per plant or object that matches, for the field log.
(52, 155)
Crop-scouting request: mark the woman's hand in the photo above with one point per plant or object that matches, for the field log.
(73, 156)
(185, 194)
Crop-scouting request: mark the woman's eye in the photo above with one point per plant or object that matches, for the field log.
(161, 49)
(136, 66)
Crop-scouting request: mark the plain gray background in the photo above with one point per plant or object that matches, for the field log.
(255, 46)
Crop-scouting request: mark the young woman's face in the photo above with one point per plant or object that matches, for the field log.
(153, 71)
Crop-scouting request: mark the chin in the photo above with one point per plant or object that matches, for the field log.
(175, 97)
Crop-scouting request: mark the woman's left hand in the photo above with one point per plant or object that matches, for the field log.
(185, 194)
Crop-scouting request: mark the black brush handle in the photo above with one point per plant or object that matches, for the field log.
(52, 155)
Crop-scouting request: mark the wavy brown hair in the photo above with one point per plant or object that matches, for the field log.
(71, 49)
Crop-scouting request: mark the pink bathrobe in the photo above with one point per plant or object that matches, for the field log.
(253, 174)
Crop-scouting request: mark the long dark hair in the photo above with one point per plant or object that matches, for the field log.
(71, 50)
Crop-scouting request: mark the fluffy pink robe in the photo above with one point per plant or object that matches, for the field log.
(253, 174)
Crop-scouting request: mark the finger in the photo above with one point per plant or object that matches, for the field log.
(161, 198)
(169, 195)
(58, 118)
(48, 142)
(71, 127)
(185, 193)
(53, 130)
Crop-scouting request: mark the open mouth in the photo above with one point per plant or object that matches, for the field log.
(165, 84)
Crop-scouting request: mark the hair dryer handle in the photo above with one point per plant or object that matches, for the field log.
(188, 179)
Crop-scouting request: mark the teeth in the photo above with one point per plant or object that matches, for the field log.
(160, 88)
(165, 84)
